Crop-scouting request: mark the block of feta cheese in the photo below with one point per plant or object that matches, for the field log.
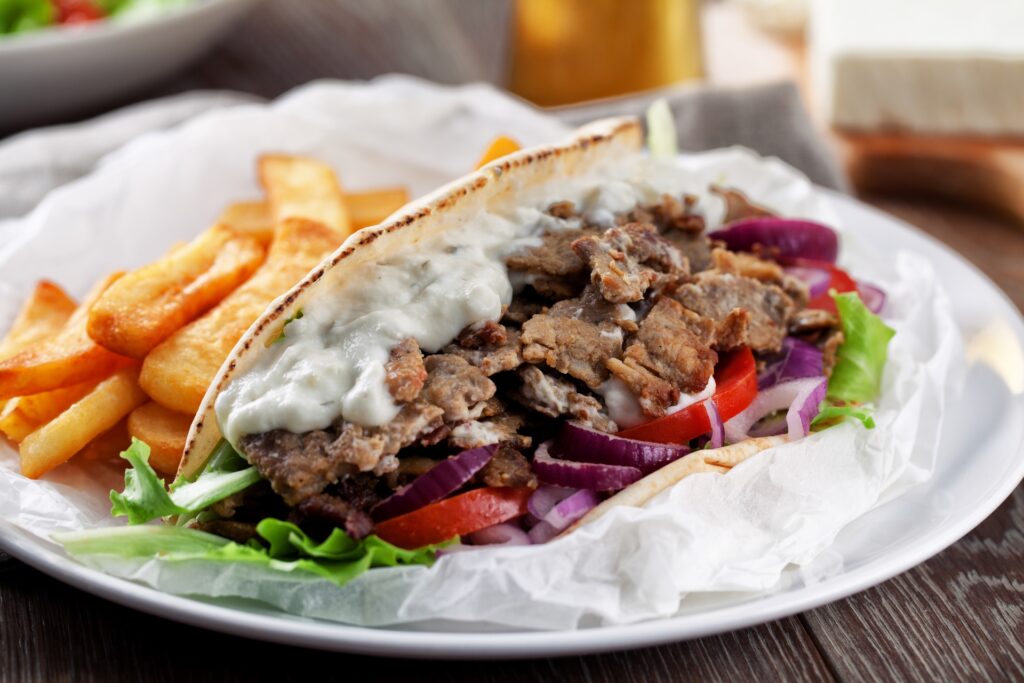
(924, 66)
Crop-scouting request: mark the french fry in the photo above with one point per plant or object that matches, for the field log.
(499, 147)
(149, 304)
(107, 446)
(177, 373)
(252, 218)
(67, 434)
(43, 313)
(25, 414)
(365, 208)
(373, 206)
(164, 431)
(67, 357)
(299, 187)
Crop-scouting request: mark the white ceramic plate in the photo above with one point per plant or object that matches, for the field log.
(61, 70)
(980, 463)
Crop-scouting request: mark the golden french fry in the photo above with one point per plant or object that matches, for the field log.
(107, 446)
(147, 305)
(373, 206)
(251, 218)
(164, 431)
(177, 373)
(43, 313)
(67, 357)
(25, 414)
(68, 433)
(299, 187)
(499, 147)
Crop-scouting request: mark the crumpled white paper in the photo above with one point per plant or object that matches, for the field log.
(732, 532)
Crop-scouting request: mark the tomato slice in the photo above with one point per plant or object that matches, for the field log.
(456, 516)
(840, 281)
(735, 389)
(77, 11)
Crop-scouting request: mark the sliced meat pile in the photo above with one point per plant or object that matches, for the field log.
(650, 302)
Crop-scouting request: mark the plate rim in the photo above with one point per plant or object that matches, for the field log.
(320, 634)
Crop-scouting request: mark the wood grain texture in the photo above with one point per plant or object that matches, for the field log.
(959, 617)
(50, 632)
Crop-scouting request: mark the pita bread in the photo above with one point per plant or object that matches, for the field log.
(715, 460)
(589, 147)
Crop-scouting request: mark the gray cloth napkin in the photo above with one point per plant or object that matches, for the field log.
(768, 119)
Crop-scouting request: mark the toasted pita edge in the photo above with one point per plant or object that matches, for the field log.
(589, 146)
(719, 460)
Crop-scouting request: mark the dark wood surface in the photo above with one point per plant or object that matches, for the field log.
(959, 616)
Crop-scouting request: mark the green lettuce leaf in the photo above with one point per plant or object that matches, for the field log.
(339, 558)
(145, 497)
(19, 16)
(830, 414)
(661, 131)
(857, 375)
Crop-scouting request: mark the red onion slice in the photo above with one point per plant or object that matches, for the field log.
(816, 279)
(872, 296)
(797, 360)
(781, 238)
(583, 444)
(800, 397)
(545, 498)
(563, 514)
(717, 428)
(500, 534)
(581, 475)
(435, 484)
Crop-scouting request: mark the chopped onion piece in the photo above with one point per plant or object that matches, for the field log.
(797, 360)
(545, 498)
(563, 515)
(816, 279)
(781, 238)
(872, 296)
(582, 444)
(581, 475)
(440, 480)
(717, 429)
(500, 534)
(800, 397)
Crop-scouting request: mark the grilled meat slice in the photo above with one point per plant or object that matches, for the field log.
(404, 372)
(625, 261)
(455, 386)
(508, 468)
(716, 295)
(556, 396)
(672, 353)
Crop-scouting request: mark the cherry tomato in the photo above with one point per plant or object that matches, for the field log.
(840, 281)
(77, 11)
(456, 516)
(735, 389)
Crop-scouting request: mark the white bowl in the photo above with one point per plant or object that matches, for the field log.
(61, 70)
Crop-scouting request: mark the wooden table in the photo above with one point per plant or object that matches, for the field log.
(959, 616)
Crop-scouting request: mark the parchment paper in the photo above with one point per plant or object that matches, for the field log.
(711, 533)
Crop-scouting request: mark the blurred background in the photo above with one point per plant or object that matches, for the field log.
(911, 98)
